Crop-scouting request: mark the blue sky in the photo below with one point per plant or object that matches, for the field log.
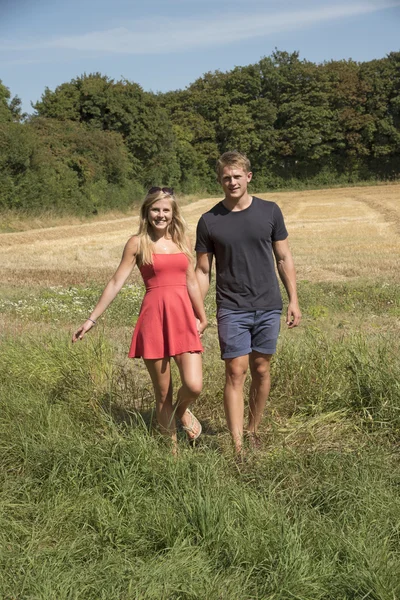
(167, 44)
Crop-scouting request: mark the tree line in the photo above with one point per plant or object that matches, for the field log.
(94, 143)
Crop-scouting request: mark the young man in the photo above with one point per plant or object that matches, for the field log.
(245, 234)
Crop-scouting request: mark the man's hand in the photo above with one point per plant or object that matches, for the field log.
(201, 326)
(293, 315)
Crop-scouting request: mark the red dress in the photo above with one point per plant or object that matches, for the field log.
(166, 325)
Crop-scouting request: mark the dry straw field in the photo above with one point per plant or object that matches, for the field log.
(335, 235)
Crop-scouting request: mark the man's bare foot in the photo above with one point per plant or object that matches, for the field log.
(252, 440)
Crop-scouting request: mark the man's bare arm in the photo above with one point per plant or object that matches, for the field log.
(287, 273)
(203, 271)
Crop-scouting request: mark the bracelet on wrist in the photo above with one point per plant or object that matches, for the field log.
(94, 322)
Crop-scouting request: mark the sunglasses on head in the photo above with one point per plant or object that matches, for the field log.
(166, 190)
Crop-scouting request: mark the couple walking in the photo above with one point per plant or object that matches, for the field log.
(247, 237)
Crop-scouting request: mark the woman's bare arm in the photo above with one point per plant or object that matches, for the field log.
(196, 298)
(112, 288)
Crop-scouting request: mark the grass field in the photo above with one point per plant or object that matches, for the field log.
(92, 504)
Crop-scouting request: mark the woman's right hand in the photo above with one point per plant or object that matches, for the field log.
(79, 333)
(201, 326)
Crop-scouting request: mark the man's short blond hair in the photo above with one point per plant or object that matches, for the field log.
(232, 159)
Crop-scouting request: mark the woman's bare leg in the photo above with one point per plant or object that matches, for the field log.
(190, 370)
(160, 373)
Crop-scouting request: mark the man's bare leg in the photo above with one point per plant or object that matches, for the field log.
(259, 389)
(235, 375)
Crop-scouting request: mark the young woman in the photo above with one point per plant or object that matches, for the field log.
(172, 317)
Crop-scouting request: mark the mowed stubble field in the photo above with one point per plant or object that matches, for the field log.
(335, 235)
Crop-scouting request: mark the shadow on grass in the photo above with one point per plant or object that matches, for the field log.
(143, 416)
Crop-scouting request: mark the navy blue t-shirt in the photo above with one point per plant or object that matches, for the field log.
(241, 242)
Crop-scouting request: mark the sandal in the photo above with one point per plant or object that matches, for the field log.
(191, 428)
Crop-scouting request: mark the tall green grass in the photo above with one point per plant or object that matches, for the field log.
(358, 374)
(93, 505)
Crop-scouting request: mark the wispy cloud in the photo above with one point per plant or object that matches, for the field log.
(162, 35)
(20, 61)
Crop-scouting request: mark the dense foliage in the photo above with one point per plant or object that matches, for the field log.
(96, 143)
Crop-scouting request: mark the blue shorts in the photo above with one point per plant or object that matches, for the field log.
(242, 331)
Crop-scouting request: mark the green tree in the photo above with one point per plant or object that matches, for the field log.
(122, 107)
(10, 108)
(63, 165)
(195, 136)
(383, 105)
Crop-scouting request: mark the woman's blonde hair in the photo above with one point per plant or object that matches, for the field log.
(176, 229)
